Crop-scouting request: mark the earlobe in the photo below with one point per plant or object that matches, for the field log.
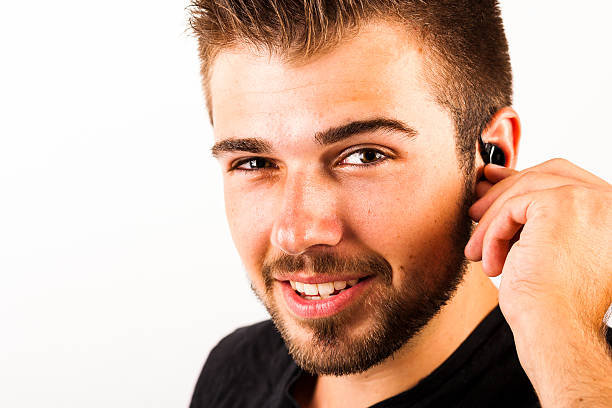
(499, 142)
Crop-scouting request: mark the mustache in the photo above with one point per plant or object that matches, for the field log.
(327, 263)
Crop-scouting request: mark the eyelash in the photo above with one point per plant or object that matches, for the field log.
(385, 157)
(235, 167)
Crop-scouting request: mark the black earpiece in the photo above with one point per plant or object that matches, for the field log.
(491, 153)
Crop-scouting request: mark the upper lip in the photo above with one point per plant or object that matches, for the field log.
(318, 278)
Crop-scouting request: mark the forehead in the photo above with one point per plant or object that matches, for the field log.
(377, 72)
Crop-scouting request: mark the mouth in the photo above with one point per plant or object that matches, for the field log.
(322, 299)
(318, 291)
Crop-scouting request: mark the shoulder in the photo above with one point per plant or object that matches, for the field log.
(251, 359)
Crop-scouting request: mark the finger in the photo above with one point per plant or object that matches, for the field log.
(495, 173)
(561, 167)
(520, 183)
(503, 231)
(486, 209)
(502, 177)
(482, 187)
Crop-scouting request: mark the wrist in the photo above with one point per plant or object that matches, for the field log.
(568, 363)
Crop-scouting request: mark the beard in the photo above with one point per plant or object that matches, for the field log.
(390, 317)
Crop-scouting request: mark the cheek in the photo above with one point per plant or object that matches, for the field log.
(407, 216)
(250, 220)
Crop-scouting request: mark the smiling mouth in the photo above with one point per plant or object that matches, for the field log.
(318, 291)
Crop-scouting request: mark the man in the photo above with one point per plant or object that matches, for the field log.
(350, 135)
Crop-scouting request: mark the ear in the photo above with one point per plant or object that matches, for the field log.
(504, 131)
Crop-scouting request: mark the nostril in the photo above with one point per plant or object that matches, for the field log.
(286, 239)
(298, 228)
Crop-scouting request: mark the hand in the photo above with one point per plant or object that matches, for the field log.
(549, 230)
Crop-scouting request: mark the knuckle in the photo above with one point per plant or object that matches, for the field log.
(512, 203)
(572, 195)
(559, 161)
(574, 190)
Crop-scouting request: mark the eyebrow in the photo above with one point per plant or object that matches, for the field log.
(330, 136)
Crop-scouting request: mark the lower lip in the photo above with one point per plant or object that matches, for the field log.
(324, 307)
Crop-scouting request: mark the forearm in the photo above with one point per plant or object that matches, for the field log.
(567, 365)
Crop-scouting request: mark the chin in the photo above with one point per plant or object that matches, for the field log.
(331, 346)
(360, 336)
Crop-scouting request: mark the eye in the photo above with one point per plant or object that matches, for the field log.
(253, 163)
(364, 157)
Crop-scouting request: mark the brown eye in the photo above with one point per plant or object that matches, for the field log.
(255, 163)
(364, 156)
(369, 156)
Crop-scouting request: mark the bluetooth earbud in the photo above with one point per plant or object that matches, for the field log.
(491, 153)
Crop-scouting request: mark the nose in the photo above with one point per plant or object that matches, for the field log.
(307, 216)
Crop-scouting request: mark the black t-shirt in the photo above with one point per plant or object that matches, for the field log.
(252, 368)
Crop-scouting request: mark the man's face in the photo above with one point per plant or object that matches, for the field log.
(372, 203)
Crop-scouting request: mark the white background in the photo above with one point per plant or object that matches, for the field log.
(117, 271)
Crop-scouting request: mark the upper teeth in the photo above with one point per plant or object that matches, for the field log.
(321, 289)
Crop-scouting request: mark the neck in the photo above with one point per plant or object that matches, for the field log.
(473, 300)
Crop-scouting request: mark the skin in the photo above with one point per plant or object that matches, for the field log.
(557, 281)
(400, 208)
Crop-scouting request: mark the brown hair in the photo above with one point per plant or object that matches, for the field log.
(465, 48)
